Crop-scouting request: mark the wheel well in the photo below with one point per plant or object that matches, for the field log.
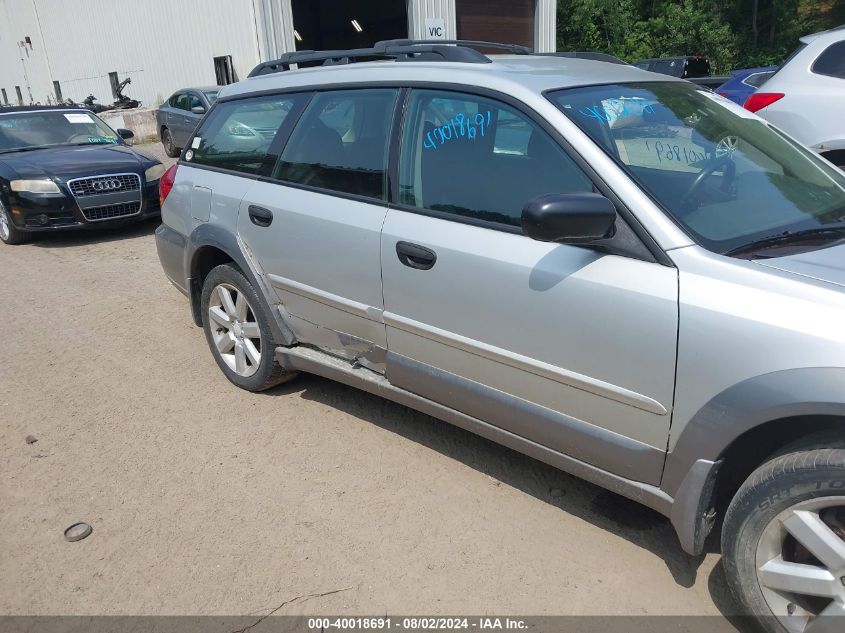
(757, 445)
(205, 260)
(837, 157)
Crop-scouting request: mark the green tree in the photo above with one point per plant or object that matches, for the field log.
(731, 33)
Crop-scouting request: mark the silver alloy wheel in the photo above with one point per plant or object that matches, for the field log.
(800, 563)
(234, 329)
(5, 231)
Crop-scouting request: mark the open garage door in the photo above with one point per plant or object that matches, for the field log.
(344, 24)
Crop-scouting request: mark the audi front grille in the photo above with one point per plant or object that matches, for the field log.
(112, 211)
(99, 185)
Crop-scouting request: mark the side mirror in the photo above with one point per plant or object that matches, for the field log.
(574, 218)
(124, 133)
(198, 110)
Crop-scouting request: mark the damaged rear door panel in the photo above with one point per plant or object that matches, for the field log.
(315, 226)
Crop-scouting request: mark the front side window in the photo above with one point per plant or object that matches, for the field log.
(725, 175)
(478, 158)
(51, 128)
(340, 143)
(182, 101)
(195, 102)
(832, 61)
(239, 134)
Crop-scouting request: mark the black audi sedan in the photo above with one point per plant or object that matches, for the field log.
(62, 168)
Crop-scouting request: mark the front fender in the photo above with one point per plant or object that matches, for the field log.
(691, 467)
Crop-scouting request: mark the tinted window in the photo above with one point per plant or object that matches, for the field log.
(182, 101)
(478, 158)
(725, 175)
(238, 134)
(672, 67)
(340, 142)
(831, 61)
(195, 102)
(757, 79)
(697, 67)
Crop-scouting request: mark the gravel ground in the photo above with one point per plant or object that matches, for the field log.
(209, 500)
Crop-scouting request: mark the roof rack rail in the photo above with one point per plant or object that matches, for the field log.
(513, 48)
(402, 50)
(599, 57)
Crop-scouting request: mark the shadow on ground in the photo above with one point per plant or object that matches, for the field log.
(606, 510)
(98, 235)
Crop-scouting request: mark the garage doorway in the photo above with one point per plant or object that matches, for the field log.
(344, 24)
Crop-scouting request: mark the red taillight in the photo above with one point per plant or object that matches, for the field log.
(165, 183)
(759, 100)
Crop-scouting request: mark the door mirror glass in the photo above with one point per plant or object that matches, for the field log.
(124, 133)
(198, 110)
(573, 218)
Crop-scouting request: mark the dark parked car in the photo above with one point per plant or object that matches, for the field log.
(63, 168)
(743, 83)
(695, 68)
(179, 115)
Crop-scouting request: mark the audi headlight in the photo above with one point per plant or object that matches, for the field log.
(154, 172)
(35, 186)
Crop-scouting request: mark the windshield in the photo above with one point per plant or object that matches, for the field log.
(723, 174)
(211, 96)
(51, 128)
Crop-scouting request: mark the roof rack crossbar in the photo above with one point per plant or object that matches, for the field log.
(401, 50)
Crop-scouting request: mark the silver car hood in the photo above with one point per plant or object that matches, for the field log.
(825, 264)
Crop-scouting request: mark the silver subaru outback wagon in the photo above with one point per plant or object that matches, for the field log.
(615, 272)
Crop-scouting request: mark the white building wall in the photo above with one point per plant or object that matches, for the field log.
(162, 45)
(545, 26)
(18, 20)
(420, 10)
(274, 25)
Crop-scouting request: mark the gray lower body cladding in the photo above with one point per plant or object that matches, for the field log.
(316, 362)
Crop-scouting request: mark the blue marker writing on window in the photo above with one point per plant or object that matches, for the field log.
(460, 127)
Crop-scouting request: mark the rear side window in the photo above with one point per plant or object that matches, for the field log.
(832, 61)
(239, 135)
(474, 157)
(340, 143)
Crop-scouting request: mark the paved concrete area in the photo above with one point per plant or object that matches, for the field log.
(209, 500)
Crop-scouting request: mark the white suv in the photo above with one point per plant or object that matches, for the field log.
(805, 97)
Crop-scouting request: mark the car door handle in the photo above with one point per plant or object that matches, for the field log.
(260, 216)
(415, 256)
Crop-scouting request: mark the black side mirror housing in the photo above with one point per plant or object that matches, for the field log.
(124, 133)
(572, 218)
(198, 110)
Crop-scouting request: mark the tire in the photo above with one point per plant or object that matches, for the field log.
(783, 539)
(9, 233)
(167, 140)
(232, 345)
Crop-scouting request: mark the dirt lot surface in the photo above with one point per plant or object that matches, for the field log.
(209, 500)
